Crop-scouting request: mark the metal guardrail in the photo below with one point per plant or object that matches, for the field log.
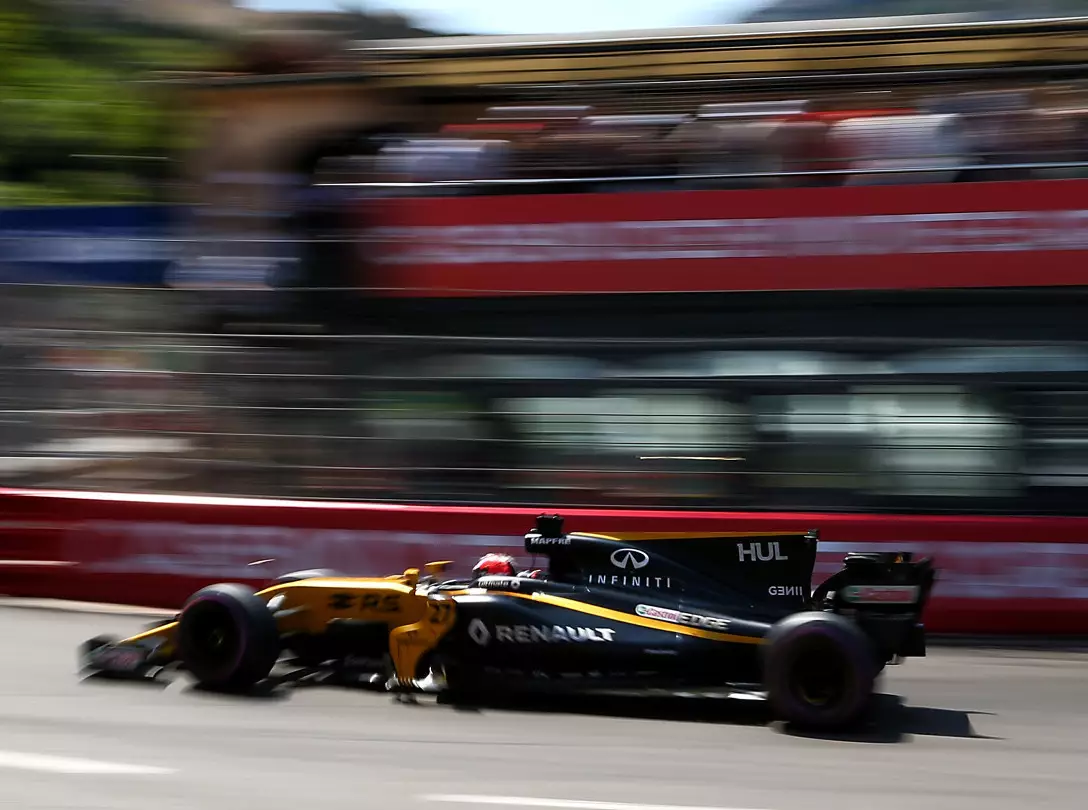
(672, 178)
(317, 417)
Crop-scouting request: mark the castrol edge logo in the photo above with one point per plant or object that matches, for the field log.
(882, 594)
(679, 617)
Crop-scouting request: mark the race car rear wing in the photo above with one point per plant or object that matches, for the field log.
(886, 594)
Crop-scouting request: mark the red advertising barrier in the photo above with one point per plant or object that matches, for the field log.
(997, 575)
(868, 238)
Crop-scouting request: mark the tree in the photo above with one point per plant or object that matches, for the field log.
(79, 125)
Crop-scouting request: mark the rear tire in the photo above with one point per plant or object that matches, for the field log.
(227, 638)
(819, 671)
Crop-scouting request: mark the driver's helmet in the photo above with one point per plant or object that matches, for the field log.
(495, 565)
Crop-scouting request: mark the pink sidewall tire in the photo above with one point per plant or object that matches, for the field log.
(819, 670)
(227, 638)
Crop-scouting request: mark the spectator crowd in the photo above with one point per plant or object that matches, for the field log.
(859, 138)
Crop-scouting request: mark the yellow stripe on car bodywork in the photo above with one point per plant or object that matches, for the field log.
(620, 616)
(161, 630)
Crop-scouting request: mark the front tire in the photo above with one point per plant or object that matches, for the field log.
(227, 638)
(819, 670)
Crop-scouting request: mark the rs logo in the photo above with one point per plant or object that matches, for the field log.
(764, 552)
(383, 603)
(341, 601)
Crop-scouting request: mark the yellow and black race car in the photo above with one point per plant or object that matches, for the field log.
(632, 610)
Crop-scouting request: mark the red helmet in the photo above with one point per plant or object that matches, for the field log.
(491, 565)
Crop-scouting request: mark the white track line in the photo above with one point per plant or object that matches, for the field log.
(564, 804)
(67, 606)
(51, 764)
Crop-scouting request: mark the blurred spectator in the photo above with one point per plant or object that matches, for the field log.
(861, 138)
(880, 146)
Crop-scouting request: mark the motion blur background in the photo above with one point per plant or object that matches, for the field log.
(221, 272)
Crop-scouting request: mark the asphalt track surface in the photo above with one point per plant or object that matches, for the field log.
(960, 729)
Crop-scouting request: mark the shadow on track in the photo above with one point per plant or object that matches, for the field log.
(650, 707)
(271, 689)
(266, 690)
(112, 679)
(889, 721)
(892, 721)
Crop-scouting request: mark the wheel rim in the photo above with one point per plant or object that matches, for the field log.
(821, 677)
(212, 637)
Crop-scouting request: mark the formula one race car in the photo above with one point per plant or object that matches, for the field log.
(624, 611)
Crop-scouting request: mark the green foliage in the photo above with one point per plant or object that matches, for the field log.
(80, 121)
